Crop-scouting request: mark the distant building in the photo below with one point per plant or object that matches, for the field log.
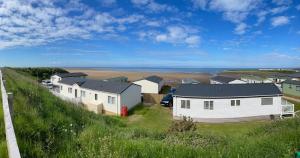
(151, 84)
(117, 79)
(229, 102)
(255, 79)
(278, 78)
(59, 76)
(295, 76)
(225, 80)
(291, 88)
(189, 81)
(98, 95)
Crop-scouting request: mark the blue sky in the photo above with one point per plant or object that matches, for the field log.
(150, 33)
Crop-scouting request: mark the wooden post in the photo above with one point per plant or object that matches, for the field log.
(10, 98)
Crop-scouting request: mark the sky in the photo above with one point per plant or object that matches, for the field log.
(150, 33)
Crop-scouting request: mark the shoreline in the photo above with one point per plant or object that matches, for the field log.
(171, 78)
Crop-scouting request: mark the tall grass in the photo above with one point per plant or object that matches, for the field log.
(46, 126)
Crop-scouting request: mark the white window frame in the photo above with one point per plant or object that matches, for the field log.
(111, 100)
(70, 90)
(208, 105)
(185, 104)
(235, 102)
(261, 100)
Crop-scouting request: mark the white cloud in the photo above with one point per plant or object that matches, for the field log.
(179, 35)
(140, 2)
(200, 3)
(240, 28)
(261, 17)
(278, 10)
(108, 3)
(152, 6)
(234, 10)
(298, 7)
(193, 40)
(279, 21)
(283, 56)
(282, 2)
(25, 25)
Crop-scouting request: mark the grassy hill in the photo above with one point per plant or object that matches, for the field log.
(46, 126)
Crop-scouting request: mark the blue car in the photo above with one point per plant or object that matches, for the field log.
(167, 101)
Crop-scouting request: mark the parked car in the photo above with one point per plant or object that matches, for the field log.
(47, 84)
(167, 101)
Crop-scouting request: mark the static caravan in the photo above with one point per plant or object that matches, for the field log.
(255, 79)
(100, 96)
(229, 102)
(151, 84)
(59, 76)
(225, 80)
(291, 88)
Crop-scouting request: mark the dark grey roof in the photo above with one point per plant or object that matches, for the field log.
(223, 79)
(74, 74)
(279, 75)
(155, 79)
(189, 81)
(292, 82)
(98, 85)
(73, 80)
(296, 75)
(227, 90)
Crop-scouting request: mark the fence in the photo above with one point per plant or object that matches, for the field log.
(12, 145)
(152, 98)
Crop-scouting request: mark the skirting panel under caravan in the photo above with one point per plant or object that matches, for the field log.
(239, 119)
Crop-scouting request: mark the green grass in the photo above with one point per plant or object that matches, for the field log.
(150, 117)
(230, 129)
(3, 149)
(46, 126)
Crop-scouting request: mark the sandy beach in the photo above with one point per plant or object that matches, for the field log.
(170, 78)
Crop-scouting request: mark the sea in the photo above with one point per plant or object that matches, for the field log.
(165, 69)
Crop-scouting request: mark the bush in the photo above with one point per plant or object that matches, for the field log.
(41, 73)
(184, 125)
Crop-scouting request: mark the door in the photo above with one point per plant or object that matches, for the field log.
(75, 93)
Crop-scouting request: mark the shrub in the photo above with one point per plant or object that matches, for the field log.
(186, 124)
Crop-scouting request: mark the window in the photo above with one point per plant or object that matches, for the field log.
(61, 87)
(235, 102)
(297, 88)
(209, 105)
(82, 93)
(96, 96)
(266, 101)
(111, 100)
(238, 102)
(185, 104)
(290, 86)
(70, 90)
(232, 102)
